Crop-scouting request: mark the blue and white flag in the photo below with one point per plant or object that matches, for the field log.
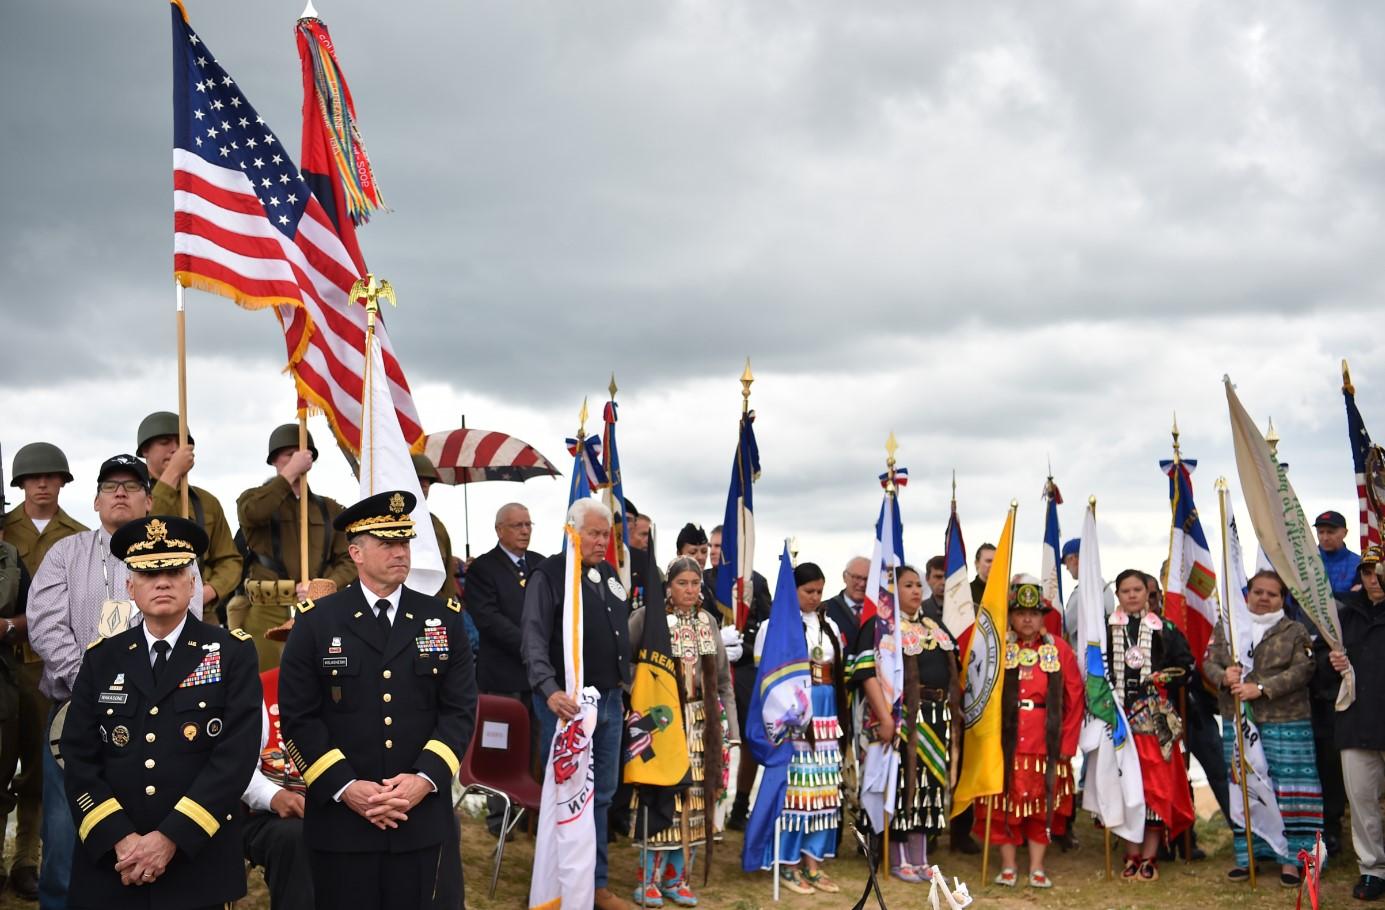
(738, 528)
(781, 707)
(1113, 789)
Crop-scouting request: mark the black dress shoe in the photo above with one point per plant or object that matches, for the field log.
(1369, 888)
(967, 845)
(740, 813)
(25, 881)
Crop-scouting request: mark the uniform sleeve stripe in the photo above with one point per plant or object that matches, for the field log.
(443, 751)
(97, 816)
(316, 769)
(200, 816)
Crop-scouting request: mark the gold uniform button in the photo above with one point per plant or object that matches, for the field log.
(149, 737)
(110, 710)
(387, 697)
(386, 674)
(201, 704)
(149, 763)
(154, 710)
(389, 744)
(150, 790)
(334, 672)
(388, 721)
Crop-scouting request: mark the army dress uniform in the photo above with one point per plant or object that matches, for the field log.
(268, 516)
(366, 699)
(162, 743)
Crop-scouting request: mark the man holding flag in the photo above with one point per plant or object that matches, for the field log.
(604, 660)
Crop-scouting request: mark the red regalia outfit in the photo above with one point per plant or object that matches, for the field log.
(1042, 705)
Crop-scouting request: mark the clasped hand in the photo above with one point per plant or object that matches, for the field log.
(388, 803)
(142, 858)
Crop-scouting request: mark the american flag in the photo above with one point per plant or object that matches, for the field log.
(246, 226)
(1360, 455)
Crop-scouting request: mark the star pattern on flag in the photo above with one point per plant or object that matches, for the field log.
(242, 139)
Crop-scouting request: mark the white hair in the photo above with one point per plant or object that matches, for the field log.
(500, 513)
(577, 513)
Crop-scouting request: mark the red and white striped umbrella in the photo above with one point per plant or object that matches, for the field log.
(471, 456)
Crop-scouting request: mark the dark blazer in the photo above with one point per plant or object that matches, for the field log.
(606, 611)
(171, 757)
(354, 705)
(495, 600)
(847, 620)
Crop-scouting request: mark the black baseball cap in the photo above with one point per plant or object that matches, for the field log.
(1330, 520)
(123, 464)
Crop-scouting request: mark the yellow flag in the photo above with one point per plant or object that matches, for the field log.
(983, 771)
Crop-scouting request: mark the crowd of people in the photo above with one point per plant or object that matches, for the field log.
(179, 700)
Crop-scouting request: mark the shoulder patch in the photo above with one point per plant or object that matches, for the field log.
(454, 605)
(242, 635)
(303, 606)
(95, 643)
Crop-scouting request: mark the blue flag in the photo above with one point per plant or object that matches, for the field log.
(615, 487)
(780, 707)
(1050, 563)
(738, 529)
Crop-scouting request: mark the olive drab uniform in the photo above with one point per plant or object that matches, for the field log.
(221, 565)
(269, 523)
(449, 584)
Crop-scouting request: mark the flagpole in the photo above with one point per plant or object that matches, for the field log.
(1168, 568)
(617, 534)
(182, 391)
(1223, 492)
(1105, 831)
(909, 759)
(742, 571)
(986, 841)
(466, 508)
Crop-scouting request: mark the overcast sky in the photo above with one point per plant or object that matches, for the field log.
(1011, 233)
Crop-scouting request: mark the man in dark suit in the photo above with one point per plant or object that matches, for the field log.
(495, 586)
(845, 608)
(160, 739)
(985, 555)
(377, 700)
(605, 655)
(935, 576)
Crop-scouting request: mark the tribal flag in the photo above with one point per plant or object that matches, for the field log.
(1050, 561)
(564, 875)
(1190, 591)
(781, 707)
(334, 159)
(618, 550)
(738, 528)
(1369, 461)
(386, 465)
(1113, 789)
(959, 613)
(1283, 532)
(246, 226)
(879, 773)
(656, 752)
(1267, 822)
(983, 773)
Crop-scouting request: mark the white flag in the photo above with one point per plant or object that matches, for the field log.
(1112, 789)
(564, 874)
(387, 465)
(1266, 822)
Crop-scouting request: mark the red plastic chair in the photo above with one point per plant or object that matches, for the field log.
(501, 771)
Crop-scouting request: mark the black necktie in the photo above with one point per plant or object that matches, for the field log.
(161, 649)
(519, 564)
(383, 617)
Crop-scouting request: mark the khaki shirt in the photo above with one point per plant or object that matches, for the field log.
(449, 586)
(221, 564)
(274, 498)
(33, 546)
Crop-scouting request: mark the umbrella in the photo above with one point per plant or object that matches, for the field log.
(470, 456)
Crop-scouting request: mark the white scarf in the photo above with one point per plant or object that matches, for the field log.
(1260, 623)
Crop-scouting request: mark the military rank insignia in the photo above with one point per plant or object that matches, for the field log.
(433, 639)
(208, 671)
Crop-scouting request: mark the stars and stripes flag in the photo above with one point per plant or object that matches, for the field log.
(1113, 790)
(246, 226)
(738, 528)
(1362, 454)
(880, 771)
(1190, 592)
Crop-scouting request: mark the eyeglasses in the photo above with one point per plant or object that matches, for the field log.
(519, 525)
(129, 486)
(853, 577)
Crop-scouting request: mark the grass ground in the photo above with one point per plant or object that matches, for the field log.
(1079, 879)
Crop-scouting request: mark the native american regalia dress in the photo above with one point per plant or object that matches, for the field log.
(696, 645)
(1042, 704)
(812, 802)
(1140, 645)
(922, 787)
